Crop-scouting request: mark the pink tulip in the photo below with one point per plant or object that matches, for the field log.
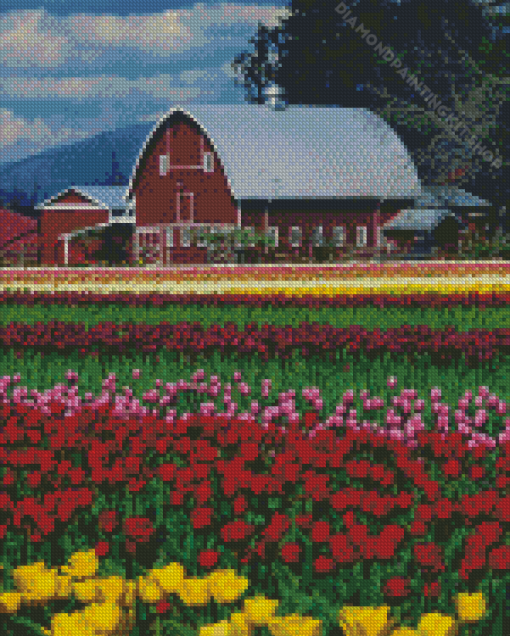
(501, 408)
(480, 417)
(435, 394)
(463, 403)
(348, 396)
(199, 375)
(237, 376)
(483, 391)
(244, 389)
(478, 401)
(136, 374)
(392, 382)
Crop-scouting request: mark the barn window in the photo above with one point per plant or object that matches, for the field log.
(185, 237)
(169, 237)
(361, 236)
(163, 165)
(338, 235)
(208, 162)
(317, 236)
(295, 236)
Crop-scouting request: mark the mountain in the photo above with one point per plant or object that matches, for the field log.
(86, 162)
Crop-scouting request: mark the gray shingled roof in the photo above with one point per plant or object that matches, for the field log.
(314, 152)
(107, 197)
(417, 219)
(441, 196)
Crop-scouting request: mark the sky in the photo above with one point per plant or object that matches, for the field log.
(69, 70)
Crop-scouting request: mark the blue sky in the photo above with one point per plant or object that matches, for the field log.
(69, 70)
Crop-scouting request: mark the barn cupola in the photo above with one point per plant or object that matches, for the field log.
(275, 97)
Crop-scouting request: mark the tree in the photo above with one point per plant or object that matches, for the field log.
(447, 47)
(256, 70)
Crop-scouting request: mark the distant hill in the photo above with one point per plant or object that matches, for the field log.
(86, 162)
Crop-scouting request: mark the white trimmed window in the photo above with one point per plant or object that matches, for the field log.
(295, 236)
(208, 162)
(338, 235)
(185, 237)
(163, 165)
(317, 236)
(169, 237)
(273, 231)
(361, 236)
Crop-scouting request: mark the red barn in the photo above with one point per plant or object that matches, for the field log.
(305, 174)
(67, 219)
(18, 239)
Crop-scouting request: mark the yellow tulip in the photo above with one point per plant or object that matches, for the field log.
(148, 590)
(112, 588)
(222, 628)
(102, 616)
(295, 625)
(195, 591)
(239, 624)
(86, 591)
(435, 624)
(226, 587)
(170, 577)
(69, 625)
(41, 588)
(10, 602)
(128, 598)
(24, 575)
(405, 631)
(82, 564)
(365, 621)
(64, 587)
(470, 607)
(259, 610)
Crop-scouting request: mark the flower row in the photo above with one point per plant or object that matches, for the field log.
(475, 345)
(435, 300)
(274, 272)
(299, 463)
(108, 597)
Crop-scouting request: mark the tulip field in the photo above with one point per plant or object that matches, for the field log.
(236, 452)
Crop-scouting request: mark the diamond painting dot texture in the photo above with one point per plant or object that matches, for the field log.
(254, 320)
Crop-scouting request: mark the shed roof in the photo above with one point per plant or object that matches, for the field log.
(301, 151)
(105, 197)
(442, 196)
(421, 219)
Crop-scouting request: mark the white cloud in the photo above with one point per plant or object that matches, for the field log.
(161, 31)
(34, 38)
(15, 129)
(27, 39)
(163, 86)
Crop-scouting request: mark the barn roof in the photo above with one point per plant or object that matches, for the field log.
(419, 220)
(301, 151)
(105, 197)
(441, 196)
